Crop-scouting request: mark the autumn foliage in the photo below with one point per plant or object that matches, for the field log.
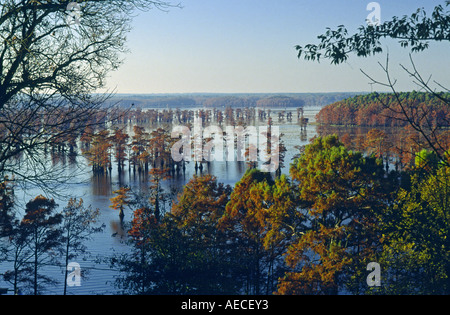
(120, 200)
(383, 110)
(313, 231)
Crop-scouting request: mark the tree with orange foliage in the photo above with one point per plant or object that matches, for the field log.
(160, 145)
(245, 222)
(200, 207)
(184, 252)
(143, 226)
(86, 136)
(120, 141)
(143, 222)
(277, 212)
(120, 200)
(377, 143)
(197, 213)
(99, 153)
(261, 219)
(347, 141)
(41, 227)
(340, 193)
(374, 142)
(410, 144)
(32, 243)
(140, 156)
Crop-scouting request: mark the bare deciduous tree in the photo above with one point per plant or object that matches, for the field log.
(415, 31)
(50, 66)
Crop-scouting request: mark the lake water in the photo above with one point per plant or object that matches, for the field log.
(97, 191)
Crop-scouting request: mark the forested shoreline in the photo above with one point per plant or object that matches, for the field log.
(384, 110)
(234, 100)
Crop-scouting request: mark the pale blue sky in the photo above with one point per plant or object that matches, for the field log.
(247, 46)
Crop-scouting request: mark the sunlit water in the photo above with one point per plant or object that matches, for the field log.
(97, 191)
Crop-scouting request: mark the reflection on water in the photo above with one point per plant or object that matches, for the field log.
(118, 229)
(97, 191)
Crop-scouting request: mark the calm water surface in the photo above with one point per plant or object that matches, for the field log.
(97, 191)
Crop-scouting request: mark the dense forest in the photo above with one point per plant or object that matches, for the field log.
(383, 110)
(227, 100)
(314, 230)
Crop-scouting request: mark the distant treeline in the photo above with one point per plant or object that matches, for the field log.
(227, 100)
(377, 110)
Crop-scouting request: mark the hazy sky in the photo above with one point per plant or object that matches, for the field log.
(247, 46)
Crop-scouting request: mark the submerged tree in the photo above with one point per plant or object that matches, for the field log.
(160, 149)
(120, 200)
(120, 141)
(99, 153)
(139, 157)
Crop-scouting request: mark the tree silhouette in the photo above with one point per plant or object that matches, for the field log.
(49, 69)
(6, 206)
(41, 226)
(414, 31)
(77, 228)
